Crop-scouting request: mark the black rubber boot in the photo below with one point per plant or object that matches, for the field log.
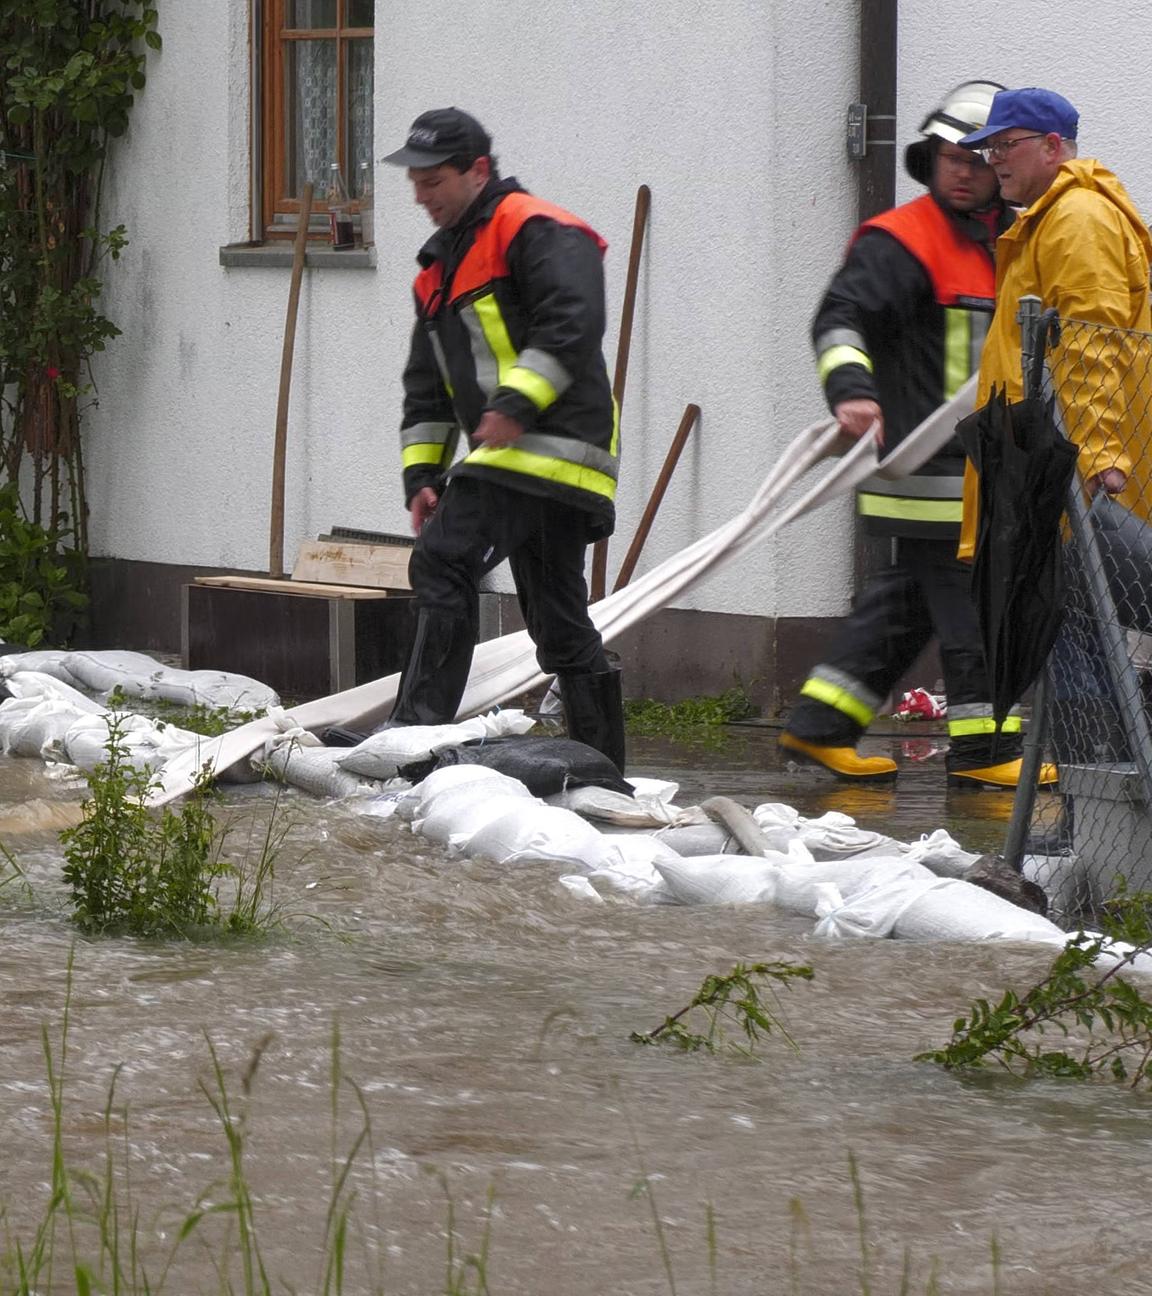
(437, 671)
(594, 709)
(433, 681)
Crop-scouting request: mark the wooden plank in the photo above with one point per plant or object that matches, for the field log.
(300, 589)
(337, 563)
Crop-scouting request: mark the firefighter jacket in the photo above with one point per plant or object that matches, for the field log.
(510, 317)
(1082, 248)
(902, 323)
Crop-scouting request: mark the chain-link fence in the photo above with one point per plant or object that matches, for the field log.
(1091, 835)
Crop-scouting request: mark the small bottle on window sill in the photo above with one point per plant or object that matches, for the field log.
(367, 232)
(339, 211)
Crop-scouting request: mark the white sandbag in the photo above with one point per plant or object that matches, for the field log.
(414, 803)
(659, 789)
(721, 879)
(804, 881)
(86, 742)
(700, 839)
(603, 805)
(532, 831)
(314, 769)
(939, 852)
(829, 836)
(455, 815)
(936, 909)
(138, 675)
(42, 661)
(384, 754)
(957, 910)
(42, 686)
(37, 726)
(632, 864)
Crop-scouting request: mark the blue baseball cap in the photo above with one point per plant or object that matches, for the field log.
(1029, 109)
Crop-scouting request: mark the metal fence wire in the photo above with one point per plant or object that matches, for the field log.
(1091, 836)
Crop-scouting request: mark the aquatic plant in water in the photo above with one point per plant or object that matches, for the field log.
(734, 998)
(1108, 1014)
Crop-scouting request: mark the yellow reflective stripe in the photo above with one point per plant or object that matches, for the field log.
(430, 452)
(839, 699)
(957, 349)
(578, 476)
(909, 510)
(836, 356)
(967, 728)
(496, 334)
(531, 384)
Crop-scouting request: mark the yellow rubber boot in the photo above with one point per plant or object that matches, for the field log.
(1005, 775)
(842, 761)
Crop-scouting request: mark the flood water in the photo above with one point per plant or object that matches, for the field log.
(485, 1015)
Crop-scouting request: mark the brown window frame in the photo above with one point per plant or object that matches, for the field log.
(274, 38)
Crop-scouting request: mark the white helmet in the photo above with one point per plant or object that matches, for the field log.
(962, 111)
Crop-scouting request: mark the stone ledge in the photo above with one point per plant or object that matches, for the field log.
(278, 256)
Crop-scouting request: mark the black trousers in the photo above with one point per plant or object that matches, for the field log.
(925, 594)
(476, 526)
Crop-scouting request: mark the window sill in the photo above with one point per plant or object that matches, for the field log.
(277, 256)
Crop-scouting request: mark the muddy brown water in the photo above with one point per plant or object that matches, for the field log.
(485, 1015)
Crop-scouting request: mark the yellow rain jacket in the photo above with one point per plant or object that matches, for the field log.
(1082, 248)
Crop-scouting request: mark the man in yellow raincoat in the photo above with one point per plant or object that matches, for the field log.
(1080, 246)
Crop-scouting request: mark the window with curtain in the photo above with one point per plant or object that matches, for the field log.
(315, 104)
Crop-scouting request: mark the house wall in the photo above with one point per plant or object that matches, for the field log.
(732, 111)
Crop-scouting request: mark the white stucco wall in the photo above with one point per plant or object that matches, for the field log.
(731, 110)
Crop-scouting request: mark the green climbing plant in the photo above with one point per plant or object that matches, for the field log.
(71, 72)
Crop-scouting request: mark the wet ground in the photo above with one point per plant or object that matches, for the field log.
(484, 1015)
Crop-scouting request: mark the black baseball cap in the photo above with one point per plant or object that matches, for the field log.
(440, 134)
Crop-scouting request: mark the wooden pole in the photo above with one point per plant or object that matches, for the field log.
(276, 528)
(687, 422)
(623, 347)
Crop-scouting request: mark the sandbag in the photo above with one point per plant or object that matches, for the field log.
(530, 831)
(414, 803)
(36, 726)
(382, 755)
(700, 839)
(454, 816)
(721, 879)
(544, 765)
(602, 805)
(313, 769)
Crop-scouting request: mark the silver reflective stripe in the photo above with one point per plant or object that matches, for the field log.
(577, 452)
(976, 711)
(849, 683)
(441, 361)
(487, 367)
(980, 323)
(840, 337)
(916, 487)
(427, 433)
(548, 367)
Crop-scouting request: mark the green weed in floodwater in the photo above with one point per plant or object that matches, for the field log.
(1111, 1015)
(732, 999)
(137, 873)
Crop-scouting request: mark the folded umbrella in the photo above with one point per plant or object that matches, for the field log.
(1026, 467)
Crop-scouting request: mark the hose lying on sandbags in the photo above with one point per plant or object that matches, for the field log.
(503, 668)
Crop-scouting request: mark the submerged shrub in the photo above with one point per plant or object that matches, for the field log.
(142, 874)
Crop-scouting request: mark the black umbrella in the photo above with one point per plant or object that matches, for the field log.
(1026, 467)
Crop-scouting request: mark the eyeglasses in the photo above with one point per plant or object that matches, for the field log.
(1002, 148)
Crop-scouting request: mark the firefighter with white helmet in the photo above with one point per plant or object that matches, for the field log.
(898, 332)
